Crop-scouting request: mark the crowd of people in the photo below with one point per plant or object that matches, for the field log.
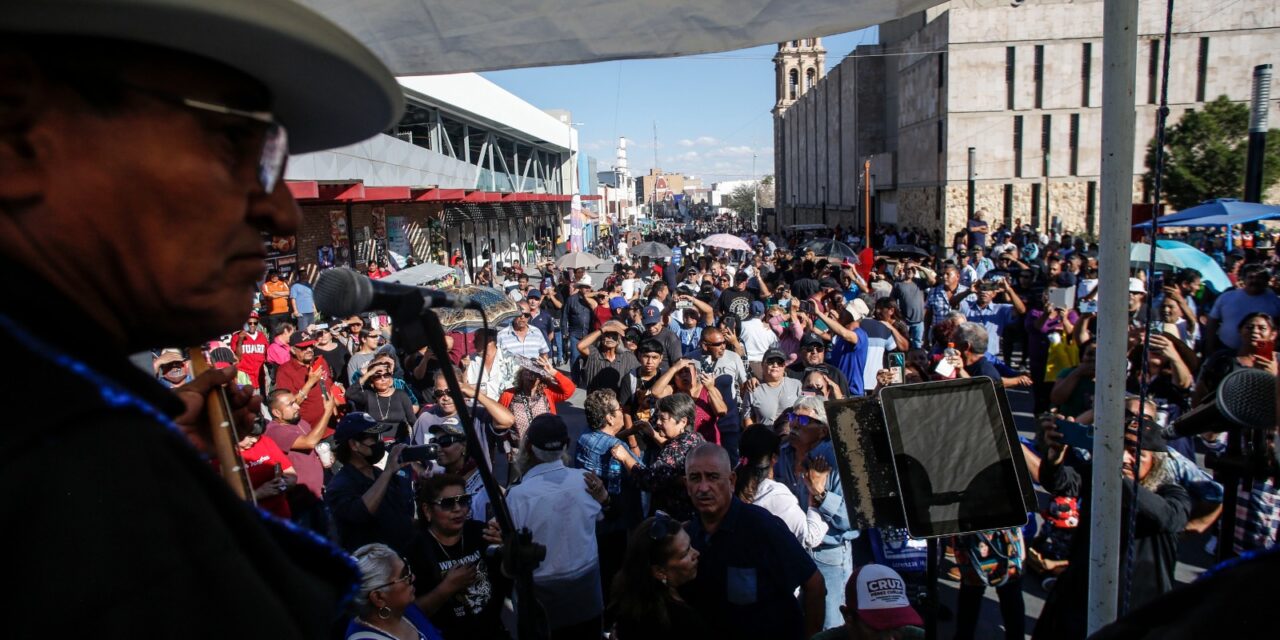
(705, 386)
(141, 165)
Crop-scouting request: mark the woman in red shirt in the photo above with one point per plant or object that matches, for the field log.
(535, 393)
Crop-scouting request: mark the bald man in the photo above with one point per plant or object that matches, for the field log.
(750, 564)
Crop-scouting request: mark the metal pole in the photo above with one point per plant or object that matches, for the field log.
(1257, 133)
(755, 197)
(866, 204)
(973, 176)
(1119, 53)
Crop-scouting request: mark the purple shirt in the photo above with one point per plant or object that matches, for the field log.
(305, 463)
(1038, 339)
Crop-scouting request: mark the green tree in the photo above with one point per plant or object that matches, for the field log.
(741, 200)
(766, 192)
(1205, 154)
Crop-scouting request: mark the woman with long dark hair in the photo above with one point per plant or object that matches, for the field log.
(646, 596)
(755, 485)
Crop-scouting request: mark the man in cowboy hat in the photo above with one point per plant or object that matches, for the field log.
(142, 146)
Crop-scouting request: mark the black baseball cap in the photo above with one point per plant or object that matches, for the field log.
(359, 423)
(548, 432)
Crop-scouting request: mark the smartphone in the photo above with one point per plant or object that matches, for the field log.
(1088, 306)
(1157, 327)
(1266, 349)
(422, 453)
(898, 364)
(1075, 434)
(808, 307)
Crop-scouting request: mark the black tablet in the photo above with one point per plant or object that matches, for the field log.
(956, 456)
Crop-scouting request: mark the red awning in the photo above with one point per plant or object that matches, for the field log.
(304, 189)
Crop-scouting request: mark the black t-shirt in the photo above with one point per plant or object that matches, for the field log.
(336, 358)
(395, 410)
(736, 302)
(474, 611)
(983, 367)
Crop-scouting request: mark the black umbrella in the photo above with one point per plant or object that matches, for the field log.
(903, 251)
(652, 250)
(832, 248)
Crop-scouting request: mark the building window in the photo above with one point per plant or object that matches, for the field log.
(1202, 69)
(1046, 136)
(1008, 205)
(1039, 73)
(1153, 71)
(1017, 146)
(793, 83)
(942, 141)
(1035, 205)
(809, 77)
(1091, 206)
(942, 69)
(1010, 59)
(1086, 72)
(1075, 144)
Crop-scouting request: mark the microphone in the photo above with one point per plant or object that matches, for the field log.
(345, 292)
(1245, 399)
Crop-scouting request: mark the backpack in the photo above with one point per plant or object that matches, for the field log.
(990, 558)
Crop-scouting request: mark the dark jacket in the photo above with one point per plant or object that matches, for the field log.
(127, 522)
(1162, 515)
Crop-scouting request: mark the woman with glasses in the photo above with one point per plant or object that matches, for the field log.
(754, 484)
(462, 589)
(385, 601)
(646, 596)
(380, 398)
(331, 349)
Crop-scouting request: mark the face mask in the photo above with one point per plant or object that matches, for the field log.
(376, 451)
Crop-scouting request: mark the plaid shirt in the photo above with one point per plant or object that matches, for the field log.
(940, 302)
(1257, 517)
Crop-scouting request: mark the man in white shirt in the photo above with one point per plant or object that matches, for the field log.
(757, 338)
(561, 506)
(522, 339)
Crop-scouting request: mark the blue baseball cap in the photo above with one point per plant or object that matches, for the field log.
(651, 315)
(617, 302)
(356, 424)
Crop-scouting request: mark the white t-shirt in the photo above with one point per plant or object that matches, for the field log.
(757, 338)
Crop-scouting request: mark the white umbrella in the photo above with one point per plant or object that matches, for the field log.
(577, 259)
(419, 275)
(726, 241)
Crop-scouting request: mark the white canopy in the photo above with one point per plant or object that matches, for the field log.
(448, 36)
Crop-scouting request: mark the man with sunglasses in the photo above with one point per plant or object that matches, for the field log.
(305, 375)
(730, 375)
(521, 338)
(142, 147)
(488, 415)
(608, 362)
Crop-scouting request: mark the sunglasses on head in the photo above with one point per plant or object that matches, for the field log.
(453, 502)
(663, 526)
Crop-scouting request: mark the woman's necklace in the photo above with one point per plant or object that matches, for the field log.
(417, 634)
(462, 539)
(383, 413)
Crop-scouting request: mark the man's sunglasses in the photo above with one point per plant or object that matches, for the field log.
(713, 344)
(453, 502)
(801, 421)
(274, 148)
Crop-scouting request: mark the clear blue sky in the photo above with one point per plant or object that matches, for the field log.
(712, 110)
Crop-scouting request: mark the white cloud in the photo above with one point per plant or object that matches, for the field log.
(705, 140)
(685, 142)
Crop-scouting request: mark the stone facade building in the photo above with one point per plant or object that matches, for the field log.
(1020, 84)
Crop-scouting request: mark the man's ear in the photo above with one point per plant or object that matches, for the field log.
(23, 92)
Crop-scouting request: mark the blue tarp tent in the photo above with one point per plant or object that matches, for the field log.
(1222, 212)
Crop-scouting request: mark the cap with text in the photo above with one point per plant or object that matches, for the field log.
(879, 596)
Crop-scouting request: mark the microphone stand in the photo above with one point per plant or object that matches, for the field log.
(520, 554)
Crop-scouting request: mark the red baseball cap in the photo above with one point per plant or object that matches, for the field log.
(879, 595)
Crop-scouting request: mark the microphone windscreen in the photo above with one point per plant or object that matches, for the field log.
(343, 292)
(1247, 398)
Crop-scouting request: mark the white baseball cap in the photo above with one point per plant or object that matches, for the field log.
(879, 596)
(585, 281)
(1137, 286)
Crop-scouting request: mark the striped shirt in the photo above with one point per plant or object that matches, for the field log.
(533, 345)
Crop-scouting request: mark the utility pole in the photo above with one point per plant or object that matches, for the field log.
(653, 206)
(973, 175)
(866, 205)
(755, 198)
(1257, 132)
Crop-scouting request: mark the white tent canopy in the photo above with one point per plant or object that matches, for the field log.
(447, 36)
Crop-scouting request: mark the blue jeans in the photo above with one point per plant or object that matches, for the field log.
(305, 320)
(915, 335)
(836, 565)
